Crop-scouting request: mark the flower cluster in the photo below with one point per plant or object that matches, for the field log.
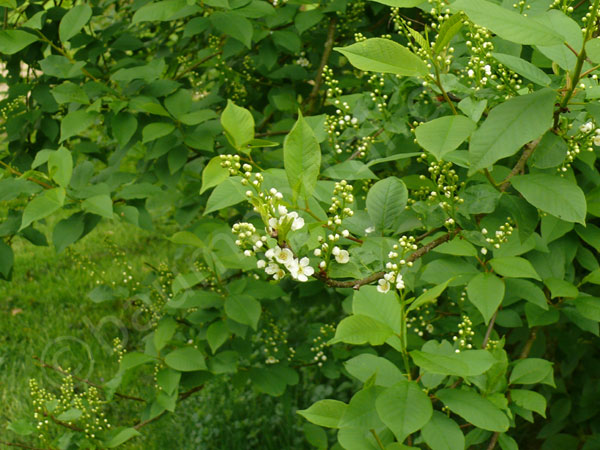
(320, 343)
(247, 238)
(396, 261)
(421, 323)
(340, 203)
(500, 236)
(465, 334)
(279, 259)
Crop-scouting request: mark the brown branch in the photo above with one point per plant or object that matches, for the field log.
(527, 348)
(271, 133)
(312, 98)
(191, 392)
(196, 64)
(520, 165)
(19, 174)
(356, 284)
(493, 441)
(86, 381)
(146, 422)
(16, 444)
(63, 424)
(488, 333)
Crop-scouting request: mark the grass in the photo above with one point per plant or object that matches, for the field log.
(45, 312)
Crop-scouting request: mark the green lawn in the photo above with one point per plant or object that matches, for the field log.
(45, 313)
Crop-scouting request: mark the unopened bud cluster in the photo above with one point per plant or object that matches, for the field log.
(500, 236)
(465, 334)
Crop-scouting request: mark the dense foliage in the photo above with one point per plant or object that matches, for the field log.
(397, 200)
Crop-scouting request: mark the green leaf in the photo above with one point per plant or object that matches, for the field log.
(385, 308)
(486, 292)
(561, 288)
(121, 437)
(429, 296)
(444, 134)
(359, 329)
(531, 400)
(385, 56)
(134, 359)
(315, 436)
(187, 238)
(588, 307)
(571, 34)
(509, 126)
(301, 158)
(234, 25)
(67, 231)
(404, 408)
(386, 201)
(325, 413)
(68, 92)
(7, 259)
(508, 24)
(163, 11)
(514, 267)
(443, 433)
(164, 332)
(60, 166)
(524, 68)
(13, 41)
(440, 364)
(101, 205)
(400, 3)
(238, 124)
(230, 192)
(73, 21)
(447, 31)
(124, 126)
(366, 365)
(156, 130)
(592, 49)
(553, 194)
(70, 415)
(474, 409)
(186, 359)
(59, 66)
(42, 206)
(75, 122)
(213, 174)
(349, 170)
(22, 427)
(531, 371)
(216, 335)
(243, 309)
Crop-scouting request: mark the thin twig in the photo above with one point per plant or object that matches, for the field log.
(197, 64)
(312, 98)
(493, 441)
(16, 444)
(520, 165)
(374, 433)
(146, 422)
(527, 348)
(19, 174)
(489, 330)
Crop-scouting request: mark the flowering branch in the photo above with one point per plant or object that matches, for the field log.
(356, 284)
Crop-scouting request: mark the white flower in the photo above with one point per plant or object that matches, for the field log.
(297, 224)
(317, 252)
(471, 73)
(335, 251)
(399, 282)
(369, 230)
(390, 276)
(282, 210)
(484, 251)
(275, 270)
(272, 252)
(273, 223)
(248, 252)
(301, 270)
(597, 140)
(345, 233)
(484, 231)
(384, 286)
(284, 256)
(487, 69)
(261, 263)
(258, 244)
(342, 257)
(586, 127)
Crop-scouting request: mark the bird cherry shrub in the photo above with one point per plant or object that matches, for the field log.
(398, 197)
